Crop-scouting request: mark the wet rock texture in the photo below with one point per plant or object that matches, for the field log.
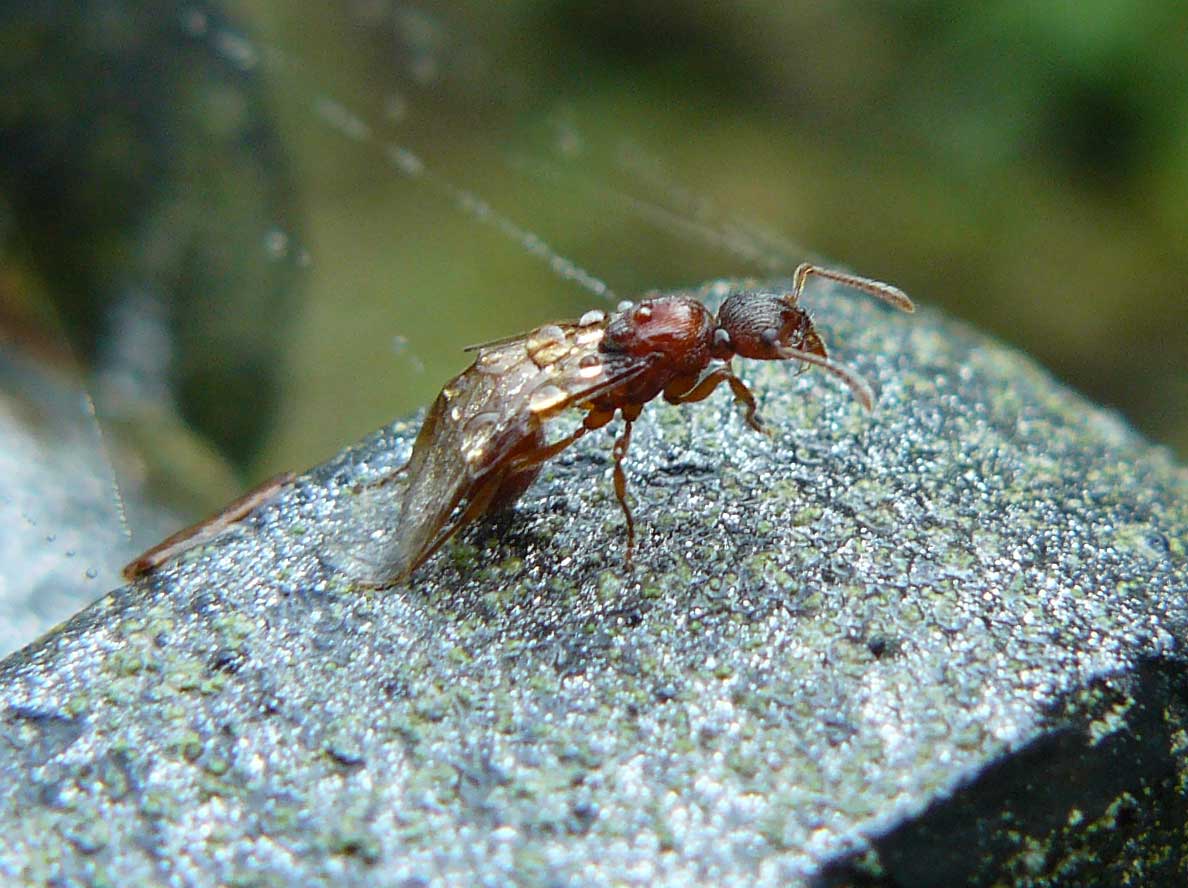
(940, 644)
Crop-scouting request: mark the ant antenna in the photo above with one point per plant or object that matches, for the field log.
(886, 292)
(857, 384)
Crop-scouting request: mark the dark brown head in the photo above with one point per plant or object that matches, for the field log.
(771, 327)
(762, 326)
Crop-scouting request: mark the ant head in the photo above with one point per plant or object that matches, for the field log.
(762, 326)
(769, 327)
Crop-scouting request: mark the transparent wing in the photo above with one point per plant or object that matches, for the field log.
(363, 530)
(496, 406)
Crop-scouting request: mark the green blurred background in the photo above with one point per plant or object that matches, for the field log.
(1020, 165)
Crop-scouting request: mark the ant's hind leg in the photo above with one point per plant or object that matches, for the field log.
(705, 387)
(543, 453)
(522, 468)
(622, 443)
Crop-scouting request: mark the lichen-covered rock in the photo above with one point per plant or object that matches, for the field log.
(940, 644)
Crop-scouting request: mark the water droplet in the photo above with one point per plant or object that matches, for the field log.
(342, 119)
(625, 305)
(549, 333)
(405, 161)
(546, 397)
(593, 316)
(495, 361)
(91, 573)
(589, 367)
(477, 435)
(547, 345)
(593, 336)
(236, 49)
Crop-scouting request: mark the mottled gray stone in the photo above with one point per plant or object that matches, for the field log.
(934, 645)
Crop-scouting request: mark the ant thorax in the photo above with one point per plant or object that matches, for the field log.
(675, 330)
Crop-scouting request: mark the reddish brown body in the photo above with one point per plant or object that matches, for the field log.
(484, 440)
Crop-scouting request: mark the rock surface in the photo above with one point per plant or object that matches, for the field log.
(940, 644)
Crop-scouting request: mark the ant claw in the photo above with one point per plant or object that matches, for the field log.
(756, 422)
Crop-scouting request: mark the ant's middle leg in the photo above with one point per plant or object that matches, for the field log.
(705, 387)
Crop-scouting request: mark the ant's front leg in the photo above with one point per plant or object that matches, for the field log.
(674, 393)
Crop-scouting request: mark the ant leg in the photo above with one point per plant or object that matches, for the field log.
(886, 292)
(539, 455)
(595, 419)
(620, 453)
(705, 387)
